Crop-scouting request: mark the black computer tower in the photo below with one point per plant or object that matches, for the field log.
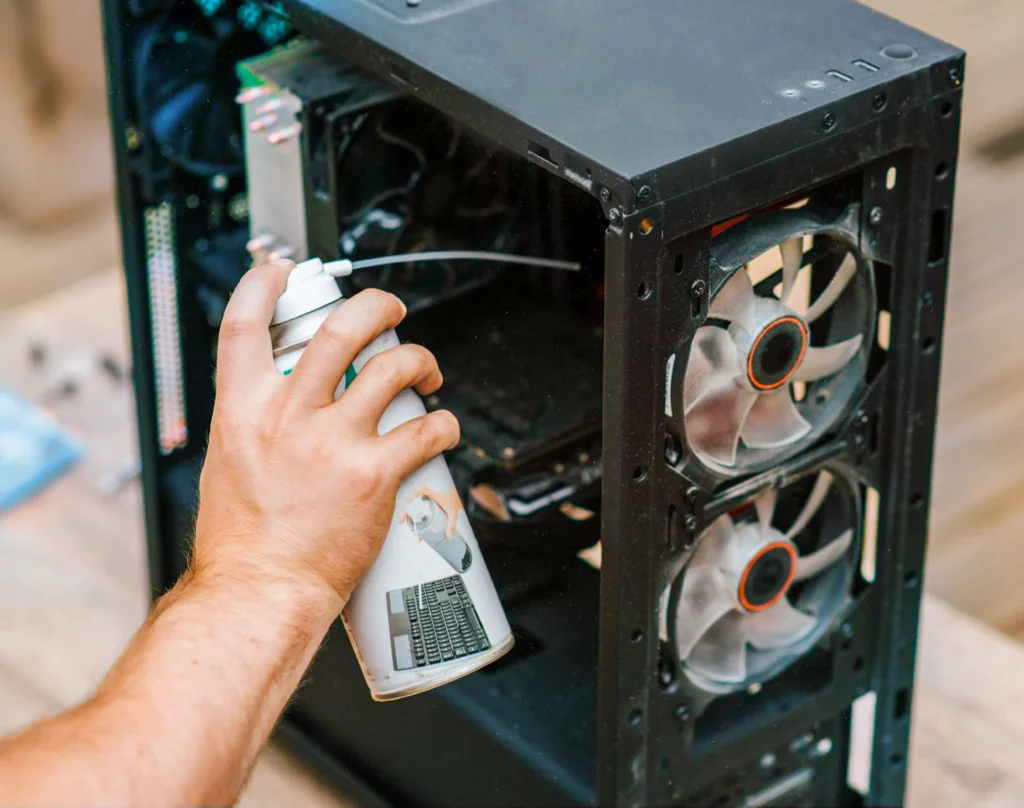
(749, 438)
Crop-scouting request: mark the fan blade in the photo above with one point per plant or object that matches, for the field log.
(818, 494)
(774, 421)
(835, 288)
(821, 362)
(714, 420)
(705, 599)
(765, 505)
(778, 627)
(713, 354)
(717, 546)
(722, 654)
(810, 565)
(735, 301)
(792, 258)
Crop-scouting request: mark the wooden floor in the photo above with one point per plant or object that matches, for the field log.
(977, 506)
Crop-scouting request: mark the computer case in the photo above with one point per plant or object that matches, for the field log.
(757, 469)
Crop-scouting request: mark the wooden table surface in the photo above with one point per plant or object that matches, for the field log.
(73, 584)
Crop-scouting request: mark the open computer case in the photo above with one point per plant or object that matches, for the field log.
(698, 467)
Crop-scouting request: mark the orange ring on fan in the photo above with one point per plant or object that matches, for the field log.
(785, 545)
(753, 348)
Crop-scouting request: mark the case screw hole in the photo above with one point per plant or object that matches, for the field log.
(673, 452)
(878, 103)
(644, 194)
(829, 121)
(636, 717)
(640, 474)
(637, 635)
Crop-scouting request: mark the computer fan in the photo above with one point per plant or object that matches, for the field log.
(756, 389)
(755, 595)
(185, 97)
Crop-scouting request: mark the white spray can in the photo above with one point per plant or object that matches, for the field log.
(427, 612)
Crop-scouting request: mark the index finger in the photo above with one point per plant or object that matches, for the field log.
(244, 346)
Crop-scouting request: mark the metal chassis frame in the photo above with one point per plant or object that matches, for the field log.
(641, 722)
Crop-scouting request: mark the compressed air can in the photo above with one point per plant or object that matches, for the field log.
(427, 612)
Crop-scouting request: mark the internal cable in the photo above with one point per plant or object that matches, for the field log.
(345, 267)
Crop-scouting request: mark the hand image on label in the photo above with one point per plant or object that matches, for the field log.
(429, 522)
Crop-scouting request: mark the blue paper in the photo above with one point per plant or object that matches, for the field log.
(33, 449)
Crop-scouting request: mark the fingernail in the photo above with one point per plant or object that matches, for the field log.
(405, 309)
(283, 262)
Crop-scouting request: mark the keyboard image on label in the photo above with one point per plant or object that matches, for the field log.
(433, 623)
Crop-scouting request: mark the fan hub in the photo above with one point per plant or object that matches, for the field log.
(776, 352)
(767, 576)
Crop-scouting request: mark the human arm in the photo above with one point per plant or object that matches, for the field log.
(296, 495)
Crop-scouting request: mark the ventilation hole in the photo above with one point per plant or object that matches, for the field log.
(672, 529)
(917, 500)
(858, 664)
(869, 547)
(890, 178)
(901, 704)
(542, 153)
(911, 579)
(937, 235)
(928, 345)
(646, 225)
(679, 264)
(942, 171)
(637, 635)
(635, 717)
(864, 65)
(838, 74)
(896, 759)
(947, 109)
(862, 736)
(799, 391)
(643, 291)
(640, 474)
(401, 75)
(883, 330)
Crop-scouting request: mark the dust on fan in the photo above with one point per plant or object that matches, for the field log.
(734, 596)
(742, 368)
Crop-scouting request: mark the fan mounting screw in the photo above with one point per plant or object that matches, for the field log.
(690, 523)
(614, 216)
(606, 195)
(875, 216)
(697, 288)
(829, 121)
(683, 713)
(691, 494)
(644, 194)
(954, 76)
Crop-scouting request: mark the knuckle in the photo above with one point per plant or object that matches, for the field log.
(368, 480)
(380, 303)
(332, 330)
(235, 325)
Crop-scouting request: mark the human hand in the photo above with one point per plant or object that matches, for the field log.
(298, 488)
